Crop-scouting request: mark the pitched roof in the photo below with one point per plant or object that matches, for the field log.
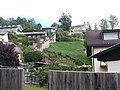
(110, 54)
(10, 26)
(95, 38)
(3, 32)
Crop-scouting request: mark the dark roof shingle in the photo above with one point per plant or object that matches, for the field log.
(95, 38)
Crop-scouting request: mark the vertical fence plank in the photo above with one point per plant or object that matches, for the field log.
(74, 80)
(11, 79)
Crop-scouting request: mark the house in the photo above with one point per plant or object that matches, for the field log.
(4, 36)
(98, 41)
(11, 28)
(33, 34)
(78, 29)
(49, 29)
(111, 57)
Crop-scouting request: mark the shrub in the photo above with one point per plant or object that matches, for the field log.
(64, 36)
(8, 56)
(12, 36)
(16, 37)
(49, 34)
(31, 55)
(61, 35)
(43, 73)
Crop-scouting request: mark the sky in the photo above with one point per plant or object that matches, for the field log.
(47, 12)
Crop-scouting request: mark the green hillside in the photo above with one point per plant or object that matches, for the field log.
(75, 49)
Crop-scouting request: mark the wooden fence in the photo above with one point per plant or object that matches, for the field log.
(74, 80)
(11, 79)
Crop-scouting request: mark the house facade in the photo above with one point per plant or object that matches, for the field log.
(11, 28)
(30, 35)
(78, 29)
(111, 57)
(49, 29)
(99, 41)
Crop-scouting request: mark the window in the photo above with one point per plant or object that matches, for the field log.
(9, 25)
(5, 26)
(29, 36)
(110, 36)
(13, 25)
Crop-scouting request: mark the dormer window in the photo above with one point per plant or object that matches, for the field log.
(13, 25)
(5, 26)
(111, 36)
(9, 25)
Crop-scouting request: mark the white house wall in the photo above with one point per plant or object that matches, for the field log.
(99, 49)
(97, 67)
(95, 62)
(113, 66)
(10, 29)
(4, 37)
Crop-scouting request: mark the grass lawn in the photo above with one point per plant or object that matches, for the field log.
(72, 48)
(34, 88)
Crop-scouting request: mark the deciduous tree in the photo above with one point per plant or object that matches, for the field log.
(8, 55)
(113, 20)
(104, 24)
(38, 26)
(54, 25)
(95, 27)
(65, 21)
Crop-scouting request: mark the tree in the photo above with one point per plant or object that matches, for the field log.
(103, 24)
(2, 21)
(27, 27)
(55, 25)
(38, 26)
(12, 21)
(8, 55)
(88, 26)
(95, 27)
(65, 21)
(32, 22)
(19, 20)
(113, 20)
(62, 35)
